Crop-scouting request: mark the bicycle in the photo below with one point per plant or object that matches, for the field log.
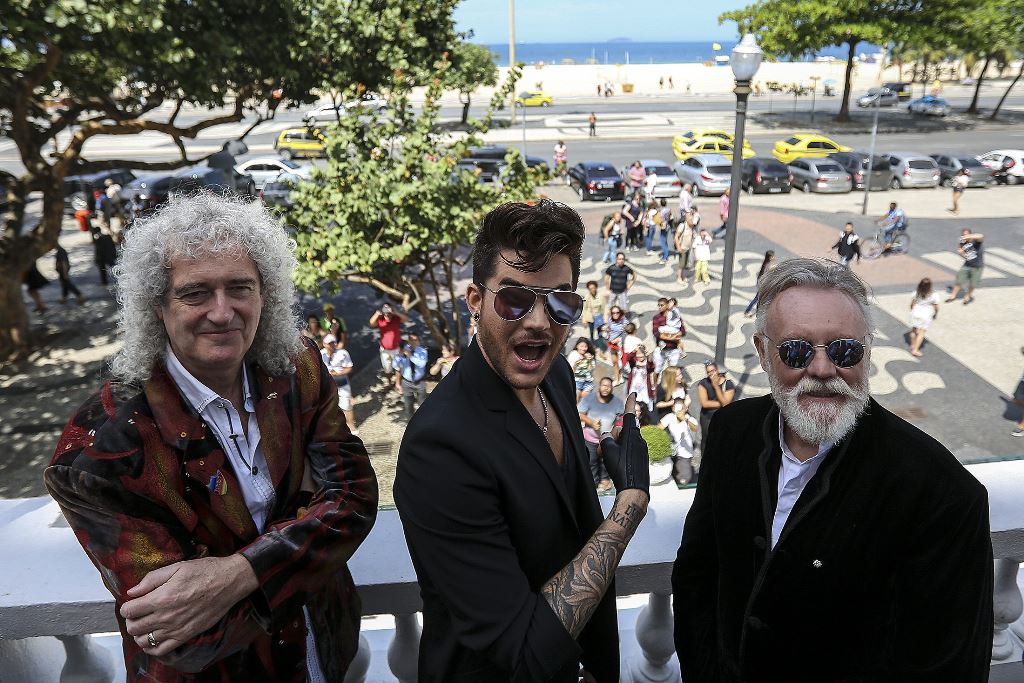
(875, 247)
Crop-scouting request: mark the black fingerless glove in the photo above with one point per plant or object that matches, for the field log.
(626, 458)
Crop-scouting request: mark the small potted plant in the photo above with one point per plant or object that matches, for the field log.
(659, 451)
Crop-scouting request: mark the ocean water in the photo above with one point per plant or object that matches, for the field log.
(619, 52)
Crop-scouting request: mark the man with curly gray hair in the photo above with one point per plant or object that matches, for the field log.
(214, 482)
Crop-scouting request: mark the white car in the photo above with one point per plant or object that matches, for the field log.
(265, 169)
(328, 113)
(1007, 165)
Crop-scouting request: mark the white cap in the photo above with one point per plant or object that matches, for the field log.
(330, 339)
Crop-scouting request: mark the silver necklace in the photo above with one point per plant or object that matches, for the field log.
(544, 405)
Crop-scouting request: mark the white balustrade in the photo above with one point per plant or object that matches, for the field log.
(1008, 607)
(404, 649)
(657, 661)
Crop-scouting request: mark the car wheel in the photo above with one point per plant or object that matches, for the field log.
(286, 154)
(545, 104)
(311, 123)
(581, 193)
(1012, 179)
(696, 190)
(608, 198)
(895, 184)
(947, 182)
(251, 190)
(750, 189)
(806, 187)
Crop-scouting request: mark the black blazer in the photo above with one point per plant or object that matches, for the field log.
(883, 571)
(488, 522)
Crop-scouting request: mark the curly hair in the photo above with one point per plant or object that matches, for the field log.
(193, 226)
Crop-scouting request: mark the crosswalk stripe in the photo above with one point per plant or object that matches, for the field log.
(948, 259)
(1003, 264)
(1008, 254)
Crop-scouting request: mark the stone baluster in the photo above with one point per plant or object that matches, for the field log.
(654, 635)
(360, 665)
(1008, 606)
(86, 661)
(404, 650)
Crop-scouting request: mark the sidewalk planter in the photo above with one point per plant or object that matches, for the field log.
(659, 450)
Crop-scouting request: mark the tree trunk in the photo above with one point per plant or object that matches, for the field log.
(1020, 72)
(428, 316)
(844, 108)
(14, 332)
(973, 109)
(464, 98)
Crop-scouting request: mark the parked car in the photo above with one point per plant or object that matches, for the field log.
(278, 193)
(856, 163)
(328, 113)
(762, 175)
(196, 178)
(499, 152)
(668, 183)
(533, 98)
(882, 97)
(1007, 165)
(486, 170)
(265, 169)
(901, 88)
(812, 174)
(805, 145)
(912, 169)
(301, 142)
(596, 180)
(978, 175)
(709, 174)
(929, 105)
(78, 189)
(146, 193)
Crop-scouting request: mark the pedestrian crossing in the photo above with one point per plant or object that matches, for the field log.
(660, 124)
(1000, 262)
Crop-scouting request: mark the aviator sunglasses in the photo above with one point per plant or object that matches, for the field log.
(797, 353)
(514, 302)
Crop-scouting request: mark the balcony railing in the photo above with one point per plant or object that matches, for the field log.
(48, 588)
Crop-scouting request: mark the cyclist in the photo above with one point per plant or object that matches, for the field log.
(560, 158)
(893, 221)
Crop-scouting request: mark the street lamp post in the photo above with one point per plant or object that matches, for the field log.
(746, 58)
(871, 158)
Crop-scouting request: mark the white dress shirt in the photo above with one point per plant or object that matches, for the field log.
(793, 477)
(242, 450)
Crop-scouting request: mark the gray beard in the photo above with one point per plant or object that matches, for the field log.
(826, 423)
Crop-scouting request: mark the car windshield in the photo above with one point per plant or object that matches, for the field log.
(829, 168)
(601, 170)
(792, 141)
(719, 170)
(288, 162)
(921, 164)
(969, 163)
(775, 167)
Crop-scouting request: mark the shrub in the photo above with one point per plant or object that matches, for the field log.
(659, 444)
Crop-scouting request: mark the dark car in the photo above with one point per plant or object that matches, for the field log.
(195, 178)
(498, 152)
(856, 163)
(79, 189)
(901, 88)
(486, 170)
(146, 193)
(978, 174)
(596, 180)
(762, 175)
(278, 192)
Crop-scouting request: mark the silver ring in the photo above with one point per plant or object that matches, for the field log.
(152, 640)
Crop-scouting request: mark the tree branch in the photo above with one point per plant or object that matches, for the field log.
(376, 284)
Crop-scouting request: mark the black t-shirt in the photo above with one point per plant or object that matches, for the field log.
(619, 277)
(972, 253)
(710, 389)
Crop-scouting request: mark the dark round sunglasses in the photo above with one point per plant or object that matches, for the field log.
(514, 302)
(798, 353)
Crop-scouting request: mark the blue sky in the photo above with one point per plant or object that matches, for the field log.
(570, 21)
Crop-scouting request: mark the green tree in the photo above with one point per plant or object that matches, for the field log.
(797, 28)
(472, 66)
(72, 71)
(392, 210)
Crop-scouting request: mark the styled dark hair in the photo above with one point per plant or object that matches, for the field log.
(535, 231)
(924, 288)
(584, 340)
(591, 282)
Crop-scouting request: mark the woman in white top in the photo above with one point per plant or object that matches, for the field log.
(924, 308)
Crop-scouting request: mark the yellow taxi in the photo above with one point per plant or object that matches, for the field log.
(533, 98)
(301, 142)
(806, 145)
(685, 147)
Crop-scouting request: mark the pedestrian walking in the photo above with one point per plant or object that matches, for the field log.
(618, 279)
(116, 208)
(410, 367)
(671, 85)
(959, 184)
(593, 310)
(766, 265)
(34, 281)
(612, 233)
(702, 257)
(339, 364)
(582, 361)
(661, 83)
(651, 185)
(847, 246)
(592, 122)
(924, 308)
(62, 264)
(723, 214)
(969, 248)
(389, 323)
(105, 252)
(634, 214)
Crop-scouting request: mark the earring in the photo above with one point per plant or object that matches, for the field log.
(476, 317)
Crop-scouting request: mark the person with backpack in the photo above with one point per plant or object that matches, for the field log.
(612, 234)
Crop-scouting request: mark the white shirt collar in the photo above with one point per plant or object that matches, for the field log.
(788, 454)
(197, 393)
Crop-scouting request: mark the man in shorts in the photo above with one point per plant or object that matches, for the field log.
(969, 275)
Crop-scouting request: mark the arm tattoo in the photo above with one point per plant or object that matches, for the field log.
(575, 592)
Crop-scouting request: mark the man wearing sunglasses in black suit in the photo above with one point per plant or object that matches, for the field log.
(829, 540)
(514, 556)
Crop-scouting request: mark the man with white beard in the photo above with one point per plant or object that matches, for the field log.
(829, 540)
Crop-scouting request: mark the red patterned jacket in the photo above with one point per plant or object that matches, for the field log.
(131, 474)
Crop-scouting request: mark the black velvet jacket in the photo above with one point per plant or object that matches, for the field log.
(883, 571)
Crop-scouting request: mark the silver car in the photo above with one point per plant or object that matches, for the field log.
(929, 105)
(266, 169)
(710, 174)
(978, 175)
(882, 97)
(912, 169)
(668, 185)
(814, 174)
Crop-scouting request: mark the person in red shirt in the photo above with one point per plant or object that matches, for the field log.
(389, 322)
